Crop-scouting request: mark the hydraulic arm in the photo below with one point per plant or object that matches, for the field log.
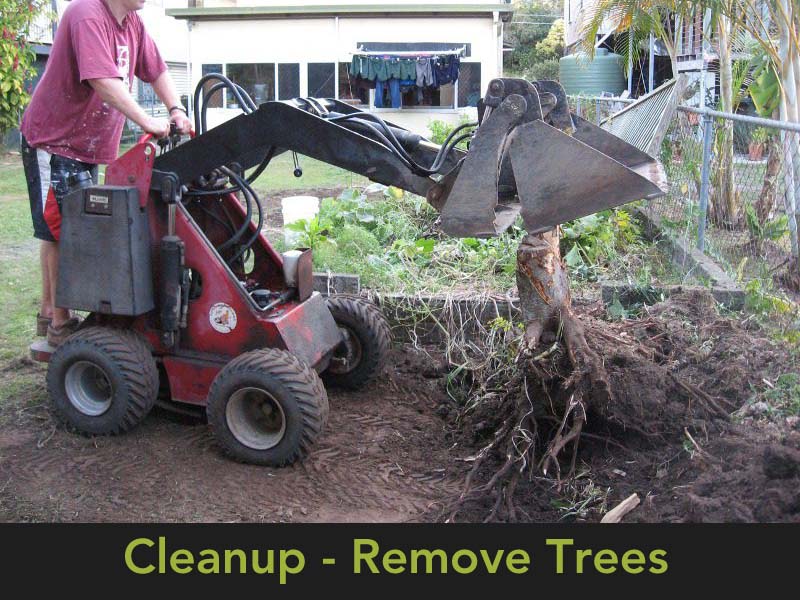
(527, 155)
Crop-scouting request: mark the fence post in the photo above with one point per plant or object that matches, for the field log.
(705, 176)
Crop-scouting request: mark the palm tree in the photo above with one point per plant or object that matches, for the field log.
(663, 18)
(639, 19)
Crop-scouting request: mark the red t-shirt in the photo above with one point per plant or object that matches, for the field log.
(66, 116)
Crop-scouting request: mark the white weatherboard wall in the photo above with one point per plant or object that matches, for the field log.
(333, 39)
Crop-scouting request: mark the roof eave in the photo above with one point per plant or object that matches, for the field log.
(385, 10)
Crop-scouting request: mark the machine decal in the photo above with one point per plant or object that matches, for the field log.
(222, 318)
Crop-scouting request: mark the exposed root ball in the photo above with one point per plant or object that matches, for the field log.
(625, 383)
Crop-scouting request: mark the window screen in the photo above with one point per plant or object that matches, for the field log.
(469, 84)
(349, 88)
(288, 81)
(216, 100)
(258, 80)
(321, 80)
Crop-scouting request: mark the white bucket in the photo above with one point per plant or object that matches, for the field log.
(294, 209)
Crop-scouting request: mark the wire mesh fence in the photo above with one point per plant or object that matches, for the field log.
(743, 214)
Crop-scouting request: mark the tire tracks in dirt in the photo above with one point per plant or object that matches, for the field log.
(382, 457)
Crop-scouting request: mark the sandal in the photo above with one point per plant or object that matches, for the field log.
(41, 324)
(57, 335)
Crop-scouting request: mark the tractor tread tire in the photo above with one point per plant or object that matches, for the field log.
(270, 367)
(130, 363)
(368, 323)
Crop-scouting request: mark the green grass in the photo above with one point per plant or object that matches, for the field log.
(277, 177)
(19, 277)
(12, 177)
(316, 174)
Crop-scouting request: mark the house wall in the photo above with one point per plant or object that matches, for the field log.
(222, 3)
(574, 14)
(333, 39)
(171, 35)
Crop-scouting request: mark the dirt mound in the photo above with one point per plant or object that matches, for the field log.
(677, 374)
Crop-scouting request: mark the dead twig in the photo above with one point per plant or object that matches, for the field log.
(620, 510)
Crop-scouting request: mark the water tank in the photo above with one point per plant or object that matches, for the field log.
(579, 75)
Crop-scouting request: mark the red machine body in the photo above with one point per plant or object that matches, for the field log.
(223, 320)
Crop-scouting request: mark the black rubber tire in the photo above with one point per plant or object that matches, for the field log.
(292, 384)
(366, 322)
(129, 368)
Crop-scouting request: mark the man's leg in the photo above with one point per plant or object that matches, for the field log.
(37, 174)
(50, 280)
(46, 307)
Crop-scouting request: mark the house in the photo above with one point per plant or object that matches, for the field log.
(172, 39)
(694, 61)
(285, 48)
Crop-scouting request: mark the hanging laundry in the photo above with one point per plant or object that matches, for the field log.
(445, 69)
(395, 93)
(408, 69)
(424, 72)
(363, 66)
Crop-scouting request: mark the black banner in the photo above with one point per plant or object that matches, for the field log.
(466, 560)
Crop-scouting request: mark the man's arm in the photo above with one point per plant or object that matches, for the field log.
(112, 91)
(164, 88)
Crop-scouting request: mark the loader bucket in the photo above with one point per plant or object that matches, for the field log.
(560, 178)
(549, 170)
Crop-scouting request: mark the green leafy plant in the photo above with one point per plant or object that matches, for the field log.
(313, 232)
(16, 57)
(412, 250)
(773, 229)
(781, 397)
(761, 299)
(588, 244)
(441, 129)
(759, 135)
(765, 89)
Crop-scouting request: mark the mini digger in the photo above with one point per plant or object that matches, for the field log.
(190, 304)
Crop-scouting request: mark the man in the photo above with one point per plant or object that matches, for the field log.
(75, 120)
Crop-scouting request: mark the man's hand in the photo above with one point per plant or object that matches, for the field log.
(182, 122)
(158, 127)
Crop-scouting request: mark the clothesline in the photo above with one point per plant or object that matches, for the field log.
(410, 53)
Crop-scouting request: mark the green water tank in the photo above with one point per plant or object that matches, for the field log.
(579, 75)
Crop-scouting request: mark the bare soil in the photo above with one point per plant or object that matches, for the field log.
(383, 457)
(398, 452)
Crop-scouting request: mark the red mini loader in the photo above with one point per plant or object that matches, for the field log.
(189, 302)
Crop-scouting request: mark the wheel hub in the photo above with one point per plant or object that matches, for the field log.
(255, 418)
(88, 388)
(347, 355)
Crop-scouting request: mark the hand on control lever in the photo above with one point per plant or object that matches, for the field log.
(158, 127)
(181, 121)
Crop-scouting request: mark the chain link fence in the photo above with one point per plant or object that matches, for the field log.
(731, 178)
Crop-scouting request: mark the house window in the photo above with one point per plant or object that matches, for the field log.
(322, 80)
(358, 92)
(428, 97)
(257, 79)
(216, 100)
(469, 84)
(145, 93)
(288, 81)
(349, 90)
